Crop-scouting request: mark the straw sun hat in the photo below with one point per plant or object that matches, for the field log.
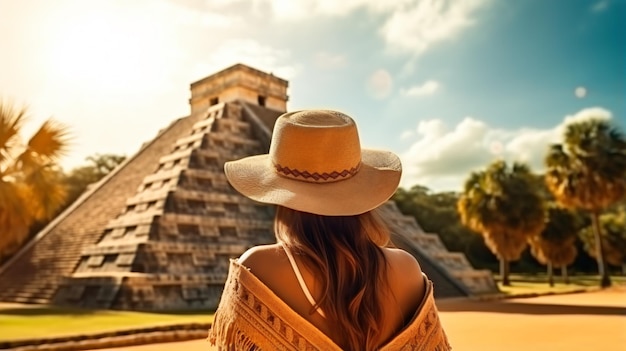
(316, 165)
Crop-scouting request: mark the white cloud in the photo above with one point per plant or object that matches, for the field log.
(380, 84)
(407, 134)
(441, 158)
(415, 28)
(187, 16)
(587, 114)
(580, 92)
(248, 52)
(428, 88)
(299, 9)
(529, 145)
(439, 151)
(409, 26)
(327, 60)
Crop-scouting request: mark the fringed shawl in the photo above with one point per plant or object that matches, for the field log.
(251, 317)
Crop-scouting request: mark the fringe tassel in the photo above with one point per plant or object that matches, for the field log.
(234, 339)
(227, 334)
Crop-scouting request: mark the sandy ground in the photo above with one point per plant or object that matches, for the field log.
(589, 321)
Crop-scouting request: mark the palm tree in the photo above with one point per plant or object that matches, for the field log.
(588, 172)
(555, 245)
(30, 180)
(613, 239)
(502, 204)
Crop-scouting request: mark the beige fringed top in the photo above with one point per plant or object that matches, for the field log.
(251, 317)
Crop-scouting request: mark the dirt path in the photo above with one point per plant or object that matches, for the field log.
(589, 321)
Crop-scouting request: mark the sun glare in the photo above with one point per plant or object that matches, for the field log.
(99, 48)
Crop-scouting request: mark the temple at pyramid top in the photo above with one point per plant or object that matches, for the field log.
(158, 232)
(239, 82)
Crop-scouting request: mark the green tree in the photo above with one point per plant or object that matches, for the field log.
(31, 185)
(76, 182)
(79, 178)
(588, 171)
(555, 246)
(436, 213)
(613, 239)
(501, 204)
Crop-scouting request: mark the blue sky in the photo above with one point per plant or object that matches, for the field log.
(449, 85)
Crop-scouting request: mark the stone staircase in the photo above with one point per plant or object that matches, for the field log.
(451, 271)
(34, 274)
(169, 248)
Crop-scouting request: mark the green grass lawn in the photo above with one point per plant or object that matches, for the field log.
(538, 284)
(30, 321)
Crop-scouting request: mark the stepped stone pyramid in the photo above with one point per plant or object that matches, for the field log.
(451, 272)
(158, 232)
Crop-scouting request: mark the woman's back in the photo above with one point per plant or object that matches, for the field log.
(326, 189)
(404, 279)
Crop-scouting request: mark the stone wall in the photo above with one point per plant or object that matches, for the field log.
(170, 247)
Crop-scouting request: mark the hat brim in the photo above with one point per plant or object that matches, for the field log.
(374, 183)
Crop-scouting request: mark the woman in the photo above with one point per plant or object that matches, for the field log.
(330, 282)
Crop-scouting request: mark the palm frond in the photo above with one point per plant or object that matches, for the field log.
(11, 121)
(521, 168)
(24, 164)
(591, 174)
(50, 141)
(14, 215)
(46, 191)
(30, 185)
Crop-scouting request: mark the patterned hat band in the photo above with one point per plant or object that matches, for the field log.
(316, 177)
(315, 164)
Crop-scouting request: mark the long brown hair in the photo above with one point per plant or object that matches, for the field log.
(347, 251)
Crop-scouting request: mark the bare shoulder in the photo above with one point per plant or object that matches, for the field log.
(405, 277)
(403, 262)
(407, 286)
(270, 265)
(258, 255)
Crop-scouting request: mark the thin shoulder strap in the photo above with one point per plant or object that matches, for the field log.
(303, 286)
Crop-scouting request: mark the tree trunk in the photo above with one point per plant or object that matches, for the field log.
(550, 274)
(564, 274)
(605, 280)
(504, 272)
